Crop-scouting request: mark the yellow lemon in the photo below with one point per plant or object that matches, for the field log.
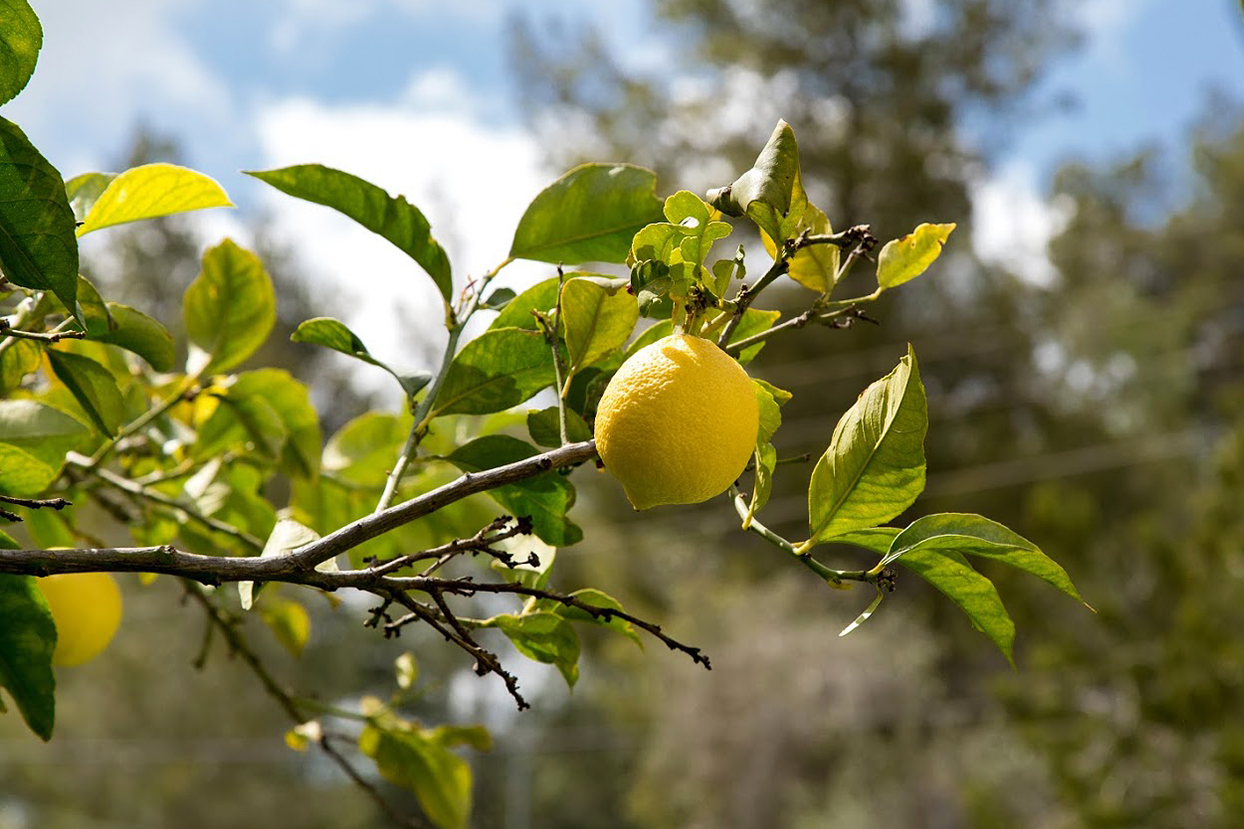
(87, 611)
(677, 423)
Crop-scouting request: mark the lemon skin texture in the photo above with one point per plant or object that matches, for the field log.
(87, 611)
(677, 423)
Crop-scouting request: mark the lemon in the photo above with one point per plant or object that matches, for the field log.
(87, 611)
(677, 423)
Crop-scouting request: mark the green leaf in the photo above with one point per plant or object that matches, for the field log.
(20, 359)
(27, 639)
(977, 536)
(24, 474)
(874, 466)
(392, 218)
(753, 322)
(289, 622)
(597, 321)
(951, 573)
(694, 215)
(498, 369)
(545, 498)
(286, 536)
(766, 192)
(726, 271)
(588, 215)
(409, 757)
(545, 637)
(38, 249)
(291, 401)
(140, 334)
(518, 312)
(21, 38)
(33, 441)
(363, 450)
(498, 299)
(150, 191)
(93, 386)
(814, 266)
(545, 427)
(229, 309)
(902, 260)
(595, 598)
(95, 314)
(331, 333)
(84, 190)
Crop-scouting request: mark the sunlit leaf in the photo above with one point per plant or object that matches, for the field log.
(545, 637)
(286, 536)
(409, 757)
(588, 215)
(363, 450)
(93, 386)
(229, 309)
(27, 639)
(595, 598)
(951, 573)
(391, 217)
(150, 191)
(289, 622)
(518, 312)
(545, 498)
(38, 249)
(902, 260)
(140, 334)
(974, 535)
(874, 466)
(84, 190)
(498, 369)
(21, 37)
(597, 321)
(765, 193)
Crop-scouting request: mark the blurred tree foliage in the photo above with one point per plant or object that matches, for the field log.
(1088, 411)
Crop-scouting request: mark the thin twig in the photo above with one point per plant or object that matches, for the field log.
(37, 503)
(455, 322)
(239, 647)
(7, 330)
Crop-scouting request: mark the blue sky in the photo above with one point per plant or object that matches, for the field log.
(415, 96)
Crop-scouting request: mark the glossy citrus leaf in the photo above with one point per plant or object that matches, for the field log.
(588, 215)
(334, 334)
(545, 428)
(766, 192)
(518, 312)
(412, 758)
(391, 217)
(545, 498)
(150, 191)
(229, 309)
(545, 637)
(874, 466)
(902, 260)
(974, 535)
(951, 573)
(27, 639)
(498, 369)
(38, 249)
(84, 190)
(21, 38)
(139, 334)
(93, 386)
(597, 321)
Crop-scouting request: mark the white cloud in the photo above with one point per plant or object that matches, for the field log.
(470, 179)
(1012, 224)
(103, 64)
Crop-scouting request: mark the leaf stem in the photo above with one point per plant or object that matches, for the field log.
(48, 337)
(455, 322)
(829, 574)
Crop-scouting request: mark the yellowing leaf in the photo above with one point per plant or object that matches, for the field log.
(153, 190)
(902, 260)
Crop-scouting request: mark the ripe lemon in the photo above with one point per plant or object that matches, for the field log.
(677, 423)
(87, 611)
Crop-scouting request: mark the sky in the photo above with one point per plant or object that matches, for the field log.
(415, 96)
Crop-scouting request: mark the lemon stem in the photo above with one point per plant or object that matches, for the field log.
(829, 574)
